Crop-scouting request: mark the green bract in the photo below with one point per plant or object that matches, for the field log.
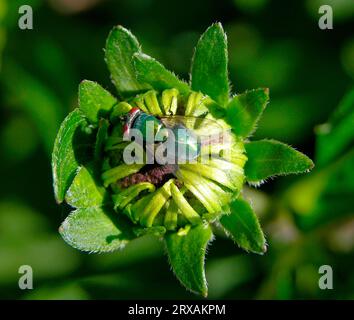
(113, 204)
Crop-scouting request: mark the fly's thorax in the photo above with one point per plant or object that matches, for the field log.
(148, 125)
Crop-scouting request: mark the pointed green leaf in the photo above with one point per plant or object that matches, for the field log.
(94, 101)
(244, 111)
(243, 226)
(154, 73)
(336, 137)
(71, 147)
(186, 254)
(84, 192)
(95, 229)
(267, 158)
(120, 48)
(209, 68)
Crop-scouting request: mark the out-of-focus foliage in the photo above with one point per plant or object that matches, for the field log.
(308, 220)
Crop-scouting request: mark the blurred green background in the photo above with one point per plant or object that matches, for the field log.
(308, 220)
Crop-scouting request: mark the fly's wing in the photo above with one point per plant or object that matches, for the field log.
(207, 130)
(193, 123)
(182, 121)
